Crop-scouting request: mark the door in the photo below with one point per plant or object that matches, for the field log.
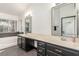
(68, 26)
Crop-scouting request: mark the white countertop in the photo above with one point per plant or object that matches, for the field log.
(54, 40)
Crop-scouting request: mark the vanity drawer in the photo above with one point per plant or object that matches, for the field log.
(41, 51)
(38, 54)
(41, 44)
(51, 53)
(68, 52)
(55, 49)
(61, 50)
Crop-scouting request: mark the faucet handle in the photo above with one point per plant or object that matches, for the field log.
(74, 40)
(62, 38)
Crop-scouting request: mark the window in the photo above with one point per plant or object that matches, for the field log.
(8, 25)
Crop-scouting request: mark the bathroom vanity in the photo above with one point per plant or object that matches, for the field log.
(49, 45)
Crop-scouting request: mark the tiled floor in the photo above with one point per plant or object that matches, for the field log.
(16, 51)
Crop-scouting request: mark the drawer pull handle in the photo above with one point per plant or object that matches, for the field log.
(40, 50)
(40, 44)
(58, 50)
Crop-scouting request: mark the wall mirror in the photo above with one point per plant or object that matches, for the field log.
(64, 20)
(28, 24)
(8, 26)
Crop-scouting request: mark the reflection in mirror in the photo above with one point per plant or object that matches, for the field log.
(64, 18)
(68, 25)
(8, 26)
(28, 24)
(77, 7)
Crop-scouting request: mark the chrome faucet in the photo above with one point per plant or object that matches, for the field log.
(74, 40)
(63, 39)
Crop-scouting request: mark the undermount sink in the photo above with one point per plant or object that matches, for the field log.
(70, 39)
(63, 39)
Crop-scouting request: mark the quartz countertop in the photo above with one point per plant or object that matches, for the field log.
(54, 40)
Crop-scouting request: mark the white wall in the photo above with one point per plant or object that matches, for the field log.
(41, 18)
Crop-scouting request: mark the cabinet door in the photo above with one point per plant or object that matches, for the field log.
(19, 42)
(27, 44)
(51, 53)
(31, 42)
(41, 51)
(23, 43)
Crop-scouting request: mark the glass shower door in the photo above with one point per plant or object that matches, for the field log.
(69, 27)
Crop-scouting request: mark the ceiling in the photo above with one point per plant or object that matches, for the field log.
(16, 9)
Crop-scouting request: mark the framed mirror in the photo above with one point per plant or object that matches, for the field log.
(64, 20)
(28, 24)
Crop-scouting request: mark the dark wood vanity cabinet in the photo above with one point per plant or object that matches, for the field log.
(25, 43)
(47, 49)
(60, 51)
(41, 50)
(19, 42)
